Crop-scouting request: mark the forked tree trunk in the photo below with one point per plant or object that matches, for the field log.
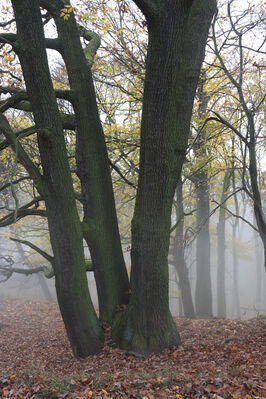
(100, 226)
(177, 38)
(80, 320)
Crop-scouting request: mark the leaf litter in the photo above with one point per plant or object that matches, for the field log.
(217, 359)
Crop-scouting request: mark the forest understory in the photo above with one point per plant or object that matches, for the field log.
(217, 359)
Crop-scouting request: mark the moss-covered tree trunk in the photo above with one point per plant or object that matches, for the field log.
(177, 38)
(80, 320)
(221, 296)
(100, 226)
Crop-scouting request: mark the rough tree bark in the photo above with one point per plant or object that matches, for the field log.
(80, 320)
(100, 227)
(177, 37)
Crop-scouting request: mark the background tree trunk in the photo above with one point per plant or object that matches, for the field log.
(235, 272)
(235, 255)
(179, 258)
(221, 296)
(203, 293)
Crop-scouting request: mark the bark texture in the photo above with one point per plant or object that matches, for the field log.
(177, 38)
(100, 226)
(80, 320)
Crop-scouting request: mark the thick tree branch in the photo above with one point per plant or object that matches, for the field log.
(14, 99)
(11, 38)
(68, 120)
(94, 43)
(7, 271)
(48, 271)
(150, 8)
(22, 133)
(18, 95)
(7, 185)
(21, 213)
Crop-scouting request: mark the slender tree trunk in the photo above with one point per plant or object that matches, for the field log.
(235, 272)
(235, 226)
(257, 203)
(80, 320)
(221, 296)
(100, 227)
(179, 258)
(259, 276)
(177, 39)
(203, 294)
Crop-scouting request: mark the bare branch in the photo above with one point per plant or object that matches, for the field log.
(7, 271)
(228, 124)
(23, 157)
(121, 174)
(35, 248)
(7, 185)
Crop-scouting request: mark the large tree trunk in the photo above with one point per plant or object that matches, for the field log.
(221, 296)
(100, 227)
(81, 322)
(179, 256)
(177, 38)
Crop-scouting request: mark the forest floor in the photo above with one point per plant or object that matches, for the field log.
(217, 359)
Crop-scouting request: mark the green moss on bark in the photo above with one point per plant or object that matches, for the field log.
(127, 336)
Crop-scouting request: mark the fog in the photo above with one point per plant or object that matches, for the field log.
(251, 275)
